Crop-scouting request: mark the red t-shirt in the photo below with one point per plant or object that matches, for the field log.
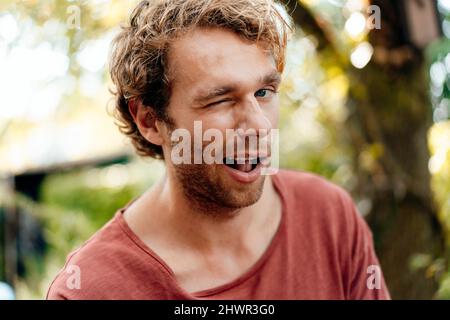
(322, 250)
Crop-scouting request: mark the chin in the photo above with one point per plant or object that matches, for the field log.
(212, 190)
(244, 196)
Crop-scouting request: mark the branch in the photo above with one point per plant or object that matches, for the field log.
(311, 24)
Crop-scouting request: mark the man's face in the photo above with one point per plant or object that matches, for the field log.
(225, 82)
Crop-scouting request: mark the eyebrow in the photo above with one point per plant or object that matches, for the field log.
(272, 77)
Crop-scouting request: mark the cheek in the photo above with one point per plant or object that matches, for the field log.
(219, 119)
(273, 118)
(272, 112)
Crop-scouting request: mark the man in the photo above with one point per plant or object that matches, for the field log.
(221, 230)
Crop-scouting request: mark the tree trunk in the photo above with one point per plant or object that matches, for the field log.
(391, 108)
(390, 114)
(391, 111)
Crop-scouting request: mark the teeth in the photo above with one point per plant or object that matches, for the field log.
(242, 164)
(229, 160)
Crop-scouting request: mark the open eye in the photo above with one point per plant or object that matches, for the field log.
(264, 93)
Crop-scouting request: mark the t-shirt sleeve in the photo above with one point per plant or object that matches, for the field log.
(67, 285)
(366, 280)
(55, 292)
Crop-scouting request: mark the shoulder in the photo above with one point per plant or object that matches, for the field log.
(106, 266)
(316, 202)
(311, 187)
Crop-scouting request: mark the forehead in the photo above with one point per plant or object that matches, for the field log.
(206, 57)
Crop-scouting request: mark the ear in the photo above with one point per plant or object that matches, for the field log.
(148, 125)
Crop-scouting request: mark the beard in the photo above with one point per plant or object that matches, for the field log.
(211, 191)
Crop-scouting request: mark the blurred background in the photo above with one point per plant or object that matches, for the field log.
(365, 103)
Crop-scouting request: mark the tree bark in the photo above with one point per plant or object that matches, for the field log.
(391, 108)
(390, 112)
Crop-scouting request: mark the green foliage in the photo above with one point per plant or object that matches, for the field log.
(97, 203)
(73, 206)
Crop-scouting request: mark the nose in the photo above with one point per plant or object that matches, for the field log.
(252, 116)
(253, 126)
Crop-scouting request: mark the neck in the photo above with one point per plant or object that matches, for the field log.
(206, 231)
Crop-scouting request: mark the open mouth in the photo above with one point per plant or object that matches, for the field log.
(243, 165)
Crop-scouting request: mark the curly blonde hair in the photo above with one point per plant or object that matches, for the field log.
(139, 52)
